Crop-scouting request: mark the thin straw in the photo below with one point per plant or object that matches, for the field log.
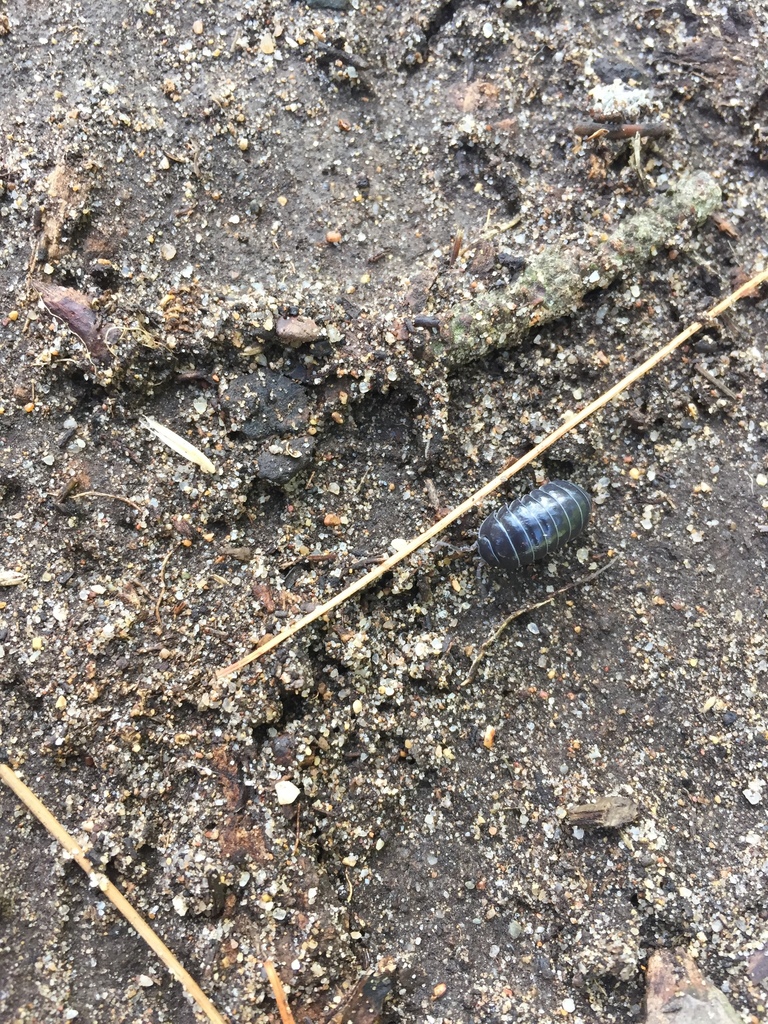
(73, 848)
(492, 485)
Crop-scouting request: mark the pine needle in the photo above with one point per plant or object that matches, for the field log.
(179, 444)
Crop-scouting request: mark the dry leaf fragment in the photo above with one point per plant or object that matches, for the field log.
(74, 309)
(179, 444)
(677, 990)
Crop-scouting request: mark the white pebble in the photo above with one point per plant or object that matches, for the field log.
(754, 791)
(286, 792)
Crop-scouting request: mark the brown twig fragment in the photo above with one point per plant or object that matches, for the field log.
(722, 388)
(595, 129)
(113, 894)
(279, 993)
(486, 646)
(161, 595)
(493, 485)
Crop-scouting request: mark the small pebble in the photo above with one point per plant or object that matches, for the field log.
(286, 793)
(295, 331)
(754, 791)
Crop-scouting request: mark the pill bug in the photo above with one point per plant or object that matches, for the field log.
(529, 528)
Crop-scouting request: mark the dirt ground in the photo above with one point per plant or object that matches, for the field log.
(274, 208)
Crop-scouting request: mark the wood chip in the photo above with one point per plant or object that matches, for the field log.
(607, 812)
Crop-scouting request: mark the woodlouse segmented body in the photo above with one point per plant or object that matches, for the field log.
(531, 527)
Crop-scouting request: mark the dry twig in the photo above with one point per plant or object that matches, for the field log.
(493, 485)
(104, 494)
(113, 894)
(486, 646)
(722, 388)
(161, 595)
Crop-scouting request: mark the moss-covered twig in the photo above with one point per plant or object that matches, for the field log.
(557, 279)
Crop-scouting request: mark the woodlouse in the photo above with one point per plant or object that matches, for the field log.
(529, 528)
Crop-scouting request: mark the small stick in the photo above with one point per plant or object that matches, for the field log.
(279, 993)
(593, 129)
(298, 830)
(378, 256)
(704, 372)
(103, 494)
(493, 485)
(113, 894)
(486, 646)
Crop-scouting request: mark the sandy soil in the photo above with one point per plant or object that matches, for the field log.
(272, 210)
